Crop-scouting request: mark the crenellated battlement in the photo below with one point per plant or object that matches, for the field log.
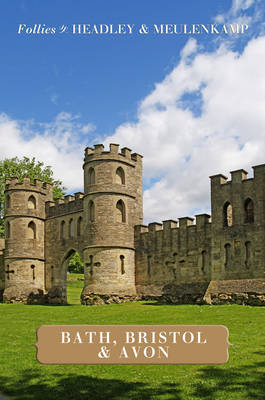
(97, 152)
(170, 238)
(26, 184)
(239, 176)
(235, 194)
(183, 223)
(69, 204)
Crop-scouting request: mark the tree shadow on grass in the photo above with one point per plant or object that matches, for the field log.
(208, 383)
(32, 386)
(248, 381)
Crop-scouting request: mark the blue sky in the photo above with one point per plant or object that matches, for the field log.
(102, 78)
(180, 100)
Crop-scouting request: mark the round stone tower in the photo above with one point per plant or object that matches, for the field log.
(112, 207)
(24, 245)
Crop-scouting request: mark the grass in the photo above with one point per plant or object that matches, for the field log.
(23, 378)
(74, 288)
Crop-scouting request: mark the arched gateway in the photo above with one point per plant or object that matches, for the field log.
(59, 276)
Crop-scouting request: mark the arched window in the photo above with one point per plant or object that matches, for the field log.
(71, 228)
(33, 272)
(91, 211)
(120, 211)
(79, 226)
(249, 211)
(91, 176)
(32, 203)
(227, 254)
(62, 230)
(8, 201)
(31, 232)
(120, 176)
(227, 214)
(122, 265)
(8, 230)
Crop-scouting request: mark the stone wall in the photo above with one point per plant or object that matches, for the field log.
(172, 258)
(240, 291)
(69, 204)
(238, 250)
(173, 255)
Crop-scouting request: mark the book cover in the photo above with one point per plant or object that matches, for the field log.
(127, 109)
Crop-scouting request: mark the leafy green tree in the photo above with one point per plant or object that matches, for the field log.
(21, 168)
(76, 265)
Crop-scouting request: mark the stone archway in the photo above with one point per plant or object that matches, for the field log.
(64, 273)
(57, 294)
(75, 277)
(64, 266)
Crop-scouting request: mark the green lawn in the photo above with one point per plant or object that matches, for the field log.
(74, 288)
(22, 377)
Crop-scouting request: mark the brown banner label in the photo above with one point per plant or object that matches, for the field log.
(132, 344)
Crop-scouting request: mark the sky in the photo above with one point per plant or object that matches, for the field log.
(191, 103)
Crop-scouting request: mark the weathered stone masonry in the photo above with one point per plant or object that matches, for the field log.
(217, 259)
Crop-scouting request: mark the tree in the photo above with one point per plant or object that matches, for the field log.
(76, 265)
(21, 168)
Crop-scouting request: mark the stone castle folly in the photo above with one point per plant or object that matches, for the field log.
(217, 259)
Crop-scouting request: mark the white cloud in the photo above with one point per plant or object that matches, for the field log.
(189, 49)
(57, 144)
(184, 149)
(248, 12)
(239, 5)
(88, 128)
